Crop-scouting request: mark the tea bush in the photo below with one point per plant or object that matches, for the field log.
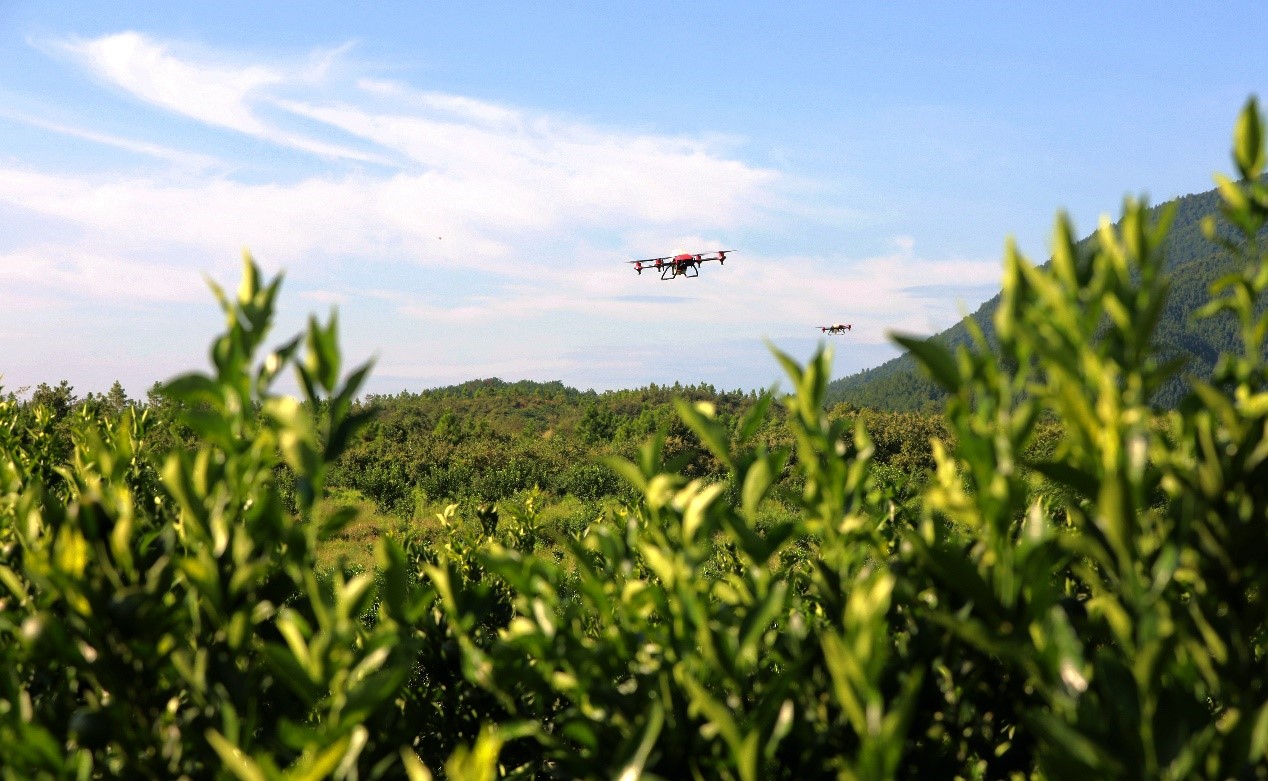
(1076, 587)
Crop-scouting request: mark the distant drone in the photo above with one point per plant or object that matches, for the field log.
(835, 328)
(687, 265)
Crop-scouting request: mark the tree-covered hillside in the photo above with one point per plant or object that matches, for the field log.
(1193, 263)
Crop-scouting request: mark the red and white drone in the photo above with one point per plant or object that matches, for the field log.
(835, 328)
(686, 265)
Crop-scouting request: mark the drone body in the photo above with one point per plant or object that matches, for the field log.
(684, 265)
(687, 264)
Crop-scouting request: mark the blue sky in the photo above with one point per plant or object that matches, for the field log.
(463, 181)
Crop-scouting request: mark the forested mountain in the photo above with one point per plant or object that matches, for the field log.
(1193, 263)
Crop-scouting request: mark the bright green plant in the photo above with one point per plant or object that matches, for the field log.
(177, 627)
(678, 638)
(1134, 612)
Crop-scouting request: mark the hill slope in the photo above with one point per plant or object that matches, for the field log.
(1193, 263)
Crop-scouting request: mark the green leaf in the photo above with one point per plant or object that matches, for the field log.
(1259, 736)
(710, 431)
(288, 668)
(791, 367)
(192, 388)
(756, 483)
(1076, 751)
(335, 522)
(274, 363)
(391, 562)
(13, 583)
(250, 284)
(628, 470)
(351, 384)
(235, 760)
(1248, 141)
(321, 352)
(373, 691)
(717, 714)
(935, 358)
(633, 769)
(759, 620)
(1064, 473)
(754, 418)
(318, 766)
(697, 510)
(479, 762)
(415, 770)
(39, 746)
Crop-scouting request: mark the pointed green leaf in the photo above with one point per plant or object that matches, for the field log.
(935, 358)
(1248, 141)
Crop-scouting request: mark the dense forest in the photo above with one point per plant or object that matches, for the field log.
(1053, 577)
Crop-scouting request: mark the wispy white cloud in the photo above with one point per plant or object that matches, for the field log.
(186, 160)
(215, 94)
(535, 171)
(212, 92)
(454, 105)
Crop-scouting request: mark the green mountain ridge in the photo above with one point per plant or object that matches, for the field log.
(1193, 264)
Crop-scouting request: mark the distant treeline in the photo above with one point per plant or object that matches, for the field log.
(488, 440)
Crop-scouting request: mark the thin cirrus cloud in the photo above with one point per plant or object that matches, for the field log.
(214, 94)
(217, 94)
(181, 159)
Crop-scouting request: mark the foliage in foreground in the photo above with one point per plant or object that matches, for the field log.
(1099, 612)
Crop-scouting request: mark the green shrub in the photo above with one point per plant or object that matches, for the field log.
(156, 628)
